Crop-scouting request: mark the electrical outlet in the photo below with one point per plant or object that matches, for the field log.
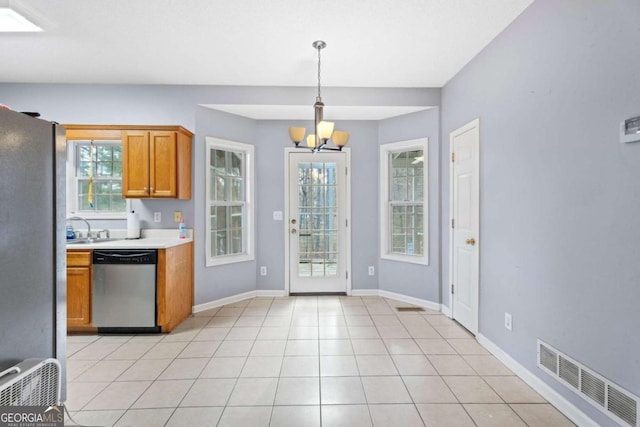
(263, 270)
(372, 270)
(177, 216)
(157, 217)
(508, 321)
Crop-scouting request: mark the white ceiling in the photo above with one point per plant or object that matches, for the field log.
(371, 43)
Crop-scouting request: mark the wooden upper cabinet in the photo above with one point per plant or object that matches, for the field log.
(156, 164)
(156, 160)
(135, 164)
(163, 164)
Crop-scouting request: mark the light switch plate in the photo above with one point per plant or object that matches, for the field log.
(277, 215)
(177, 216)
(157, 217)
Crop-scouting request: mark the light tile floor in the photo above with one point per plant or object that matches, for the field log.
(300, 361)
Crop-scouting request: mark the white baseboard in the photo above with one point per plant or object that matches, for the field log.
(410, 300)
(552, 396)
(398, 297)
(445, 310)
(267, 293)
(235, 298)
(354, 292)
(364, 292)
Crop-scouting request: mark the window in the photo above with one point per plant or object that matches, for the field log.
(100, 162)
(229, 202)
(403, 201)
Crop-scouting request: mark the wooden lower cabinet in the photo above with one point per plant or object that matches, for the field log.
(79, 283)
(175, 285)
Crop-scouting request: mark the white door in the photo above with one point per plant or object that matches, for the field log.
(317, 222)
(465, 227)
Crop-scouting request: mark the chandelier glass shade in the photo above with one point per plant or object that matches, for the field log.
(323, 130)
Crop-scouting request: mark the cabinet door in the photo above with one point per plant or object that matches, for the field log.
(135, 164)
(175, 285)
(78, 296)
(162, 174)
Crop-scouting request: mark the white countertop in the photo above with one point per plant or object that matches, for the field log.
(151, 239)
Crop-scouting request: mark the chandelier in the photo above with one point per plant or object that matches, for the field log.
(323, 130)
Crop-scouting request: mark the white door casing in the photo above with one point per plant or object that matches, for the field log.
(465, 227)
(316, 222)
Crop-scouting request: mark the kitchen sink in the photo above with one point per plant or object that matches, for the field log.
(85, 241)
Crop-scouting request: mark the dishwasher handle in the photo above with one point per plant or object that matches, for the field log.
(125, 257)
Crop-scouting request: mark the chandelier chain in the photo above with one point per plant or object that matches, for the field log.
(319, 96)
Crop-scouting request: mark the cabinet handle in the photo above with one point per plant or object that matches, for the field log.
(145, 189)
(152, 189)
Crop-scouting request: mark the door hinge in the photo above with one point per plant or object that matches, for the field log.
(346, 171)
(453, 289)
(453, 157)
(346, 222)
(453, 223)
(347, 275)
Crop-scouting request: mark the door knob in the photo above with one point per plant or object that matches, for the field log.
(471, 241)
(293, 221)
(293, 231)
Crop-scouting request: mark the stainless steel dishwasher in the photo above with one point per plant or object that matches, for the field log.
(124, 291)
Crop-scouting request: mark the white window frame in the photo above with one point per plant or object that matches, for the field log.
(385, 214)
(248, 225)
(72, 185)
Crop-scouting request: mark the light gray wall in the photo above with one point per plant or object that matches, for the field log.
(212, 283)
(364, 204)
(559, 195)
(179, 105)
(113, 104)
(415, 280)
(271, 140)
(152, 104)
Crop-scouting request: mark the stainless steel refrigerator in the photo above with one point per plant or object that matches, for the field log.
(32, 241)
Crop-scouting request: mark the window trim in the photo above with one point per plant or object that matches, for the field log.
(384, 208)
(72, 185)
(248, 151)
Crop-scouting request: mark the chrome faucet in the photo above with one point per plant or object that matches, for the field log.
(79, 218)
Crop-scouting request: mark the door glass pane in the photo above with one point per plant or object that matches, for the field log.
(331, 196)
(317, 230)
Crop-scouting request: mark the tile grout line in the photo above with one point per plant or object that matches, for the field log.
(371, 308)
